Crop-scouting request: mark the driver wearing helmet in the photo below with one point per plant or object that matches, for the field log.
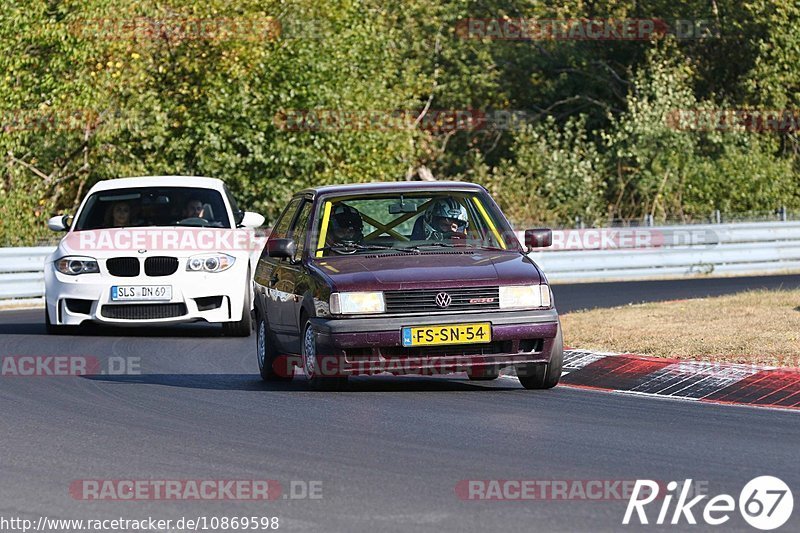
(444, 219)
(346, 226)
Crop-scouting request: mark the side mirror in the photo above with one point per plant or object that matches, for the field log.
(281, 248)
(538, 238)
(60, 223)
(251, 220)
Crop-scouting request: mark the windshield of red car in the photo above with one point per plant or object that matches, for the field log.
(367, 223)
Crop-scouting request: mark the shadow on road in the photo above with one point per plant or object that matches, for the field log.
(24, 328)
(250, 382)
(95, 330)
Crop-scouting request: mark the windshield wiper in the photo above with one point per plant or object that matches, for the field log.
(356, 247)
(440, 244)
(451, 245)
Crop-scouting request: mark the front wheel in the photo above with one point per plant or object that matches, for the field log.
(316, 367)
(270, 366)
(544, 375)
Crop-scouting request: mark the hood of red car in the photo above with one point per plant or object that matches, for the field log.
(368, 272)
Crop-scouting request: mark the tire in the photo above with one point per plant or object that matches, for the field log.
(267, 355)
(52, 329)
(243, 327)
(308, 349)
(483, 373)
(544, 376)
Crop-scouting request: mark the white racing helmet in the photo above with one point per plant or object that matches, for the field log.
(444, 208)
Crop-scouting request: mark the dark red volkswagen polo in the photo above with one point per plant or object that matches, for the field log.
(405, 278)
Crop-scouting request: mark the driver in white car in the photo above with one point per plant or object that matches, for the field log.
(194, 209)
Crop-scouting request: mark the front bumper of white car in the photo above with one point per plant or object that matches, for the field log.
(195, 296)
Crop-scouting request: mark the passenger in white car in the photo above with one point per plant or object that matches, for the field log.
(118, 215)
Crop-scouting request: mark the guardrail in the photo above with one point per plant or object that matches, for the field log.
(576, 255)
(22, 272)
(671, 251)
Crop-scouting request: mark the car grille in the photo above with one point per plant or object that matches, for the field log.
(160, 266)
(489, 348)
(143, 311)
(123, 267)
(424, 300)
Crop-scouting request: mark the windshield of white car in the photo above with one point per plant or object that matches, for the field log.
(154, 206)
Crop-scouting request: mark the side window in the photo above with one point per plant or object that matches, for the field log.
(237, 214)
(300, 228)
(281, 228)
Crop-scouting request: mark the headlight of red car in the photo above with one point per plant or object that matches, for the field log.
(524, 296)
(357, 303)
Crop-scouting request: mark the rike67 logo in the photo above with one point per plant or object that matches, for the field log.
(765, 503)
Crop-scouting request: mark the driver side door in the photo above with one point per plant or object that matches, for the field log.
(269, 278)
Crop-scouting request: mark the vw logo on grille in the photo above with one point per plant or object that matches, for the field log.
(443, 300)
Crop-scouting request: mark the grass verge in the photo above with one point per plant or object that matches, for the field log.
(33, 303)
(761, 327)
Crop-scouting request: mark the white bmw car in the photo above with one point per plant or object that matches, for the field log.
(153, 250)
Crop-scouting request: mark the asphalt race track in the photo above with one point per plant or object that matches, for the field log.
(389, 452)
(592, 295)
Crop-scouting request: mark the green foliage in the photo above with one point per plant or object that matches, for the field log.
(554, 175)
(671, 172)
(650, 160)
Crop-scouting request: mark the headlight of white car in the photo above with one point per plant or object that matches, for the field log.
(73, 265)
(209, 263)
(357, 303)
(524, 296)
